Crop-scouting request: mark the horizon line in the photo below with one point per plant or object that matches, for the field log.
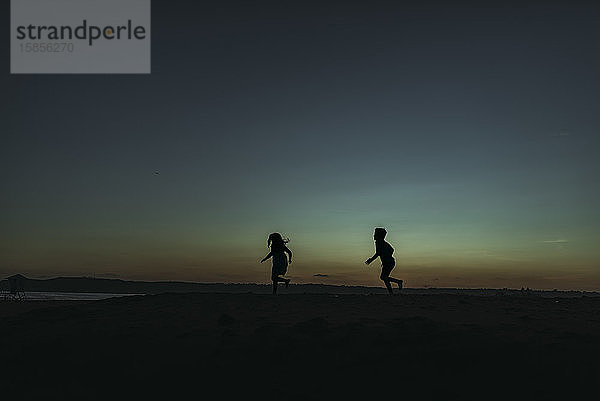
(306, 283)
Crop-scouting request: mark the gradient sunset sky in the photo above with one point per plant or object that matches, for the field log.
(471, 132)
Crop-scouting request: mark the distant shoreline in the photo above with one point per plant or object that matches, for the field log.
(118, 287)
(71, 296)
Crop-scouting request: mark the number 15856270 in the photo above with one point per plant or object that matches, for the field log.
(47, 47)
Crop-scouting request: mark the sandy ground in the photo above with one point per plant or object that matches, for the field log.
(297, 346)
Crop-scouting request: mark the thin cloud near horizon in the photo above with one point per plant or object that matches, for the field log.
(556, 241)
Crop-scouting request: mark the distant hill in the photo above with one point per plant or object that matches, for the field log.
(117, 286)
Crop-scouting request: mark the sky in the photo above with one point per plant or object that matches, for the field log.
(470, 132)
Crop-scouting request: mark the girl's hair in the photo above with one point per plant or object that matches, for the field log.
(380, 232)
(277, 240)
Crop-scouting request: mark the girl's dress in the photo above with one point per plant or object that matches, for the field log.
(280, 263)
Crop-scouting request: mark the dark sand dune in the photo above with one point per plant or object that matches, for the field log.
(250, 346)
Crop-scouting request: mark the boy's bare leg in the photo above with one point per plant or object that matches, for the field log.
(397, 281)
(388, 285)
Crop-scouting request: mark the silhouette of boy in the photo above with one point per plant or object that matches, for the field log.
(384, 251)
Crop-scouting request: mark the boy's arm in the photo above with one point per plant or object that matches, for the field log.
(267, 257)
(372, 258)
(377, 253)
(289, 254)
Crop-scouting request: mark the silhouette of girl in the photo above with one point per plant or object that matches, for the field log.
(280, 261)
(384, 251)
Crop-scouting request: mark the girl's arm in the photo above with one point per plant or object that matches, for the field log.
(267, 257)
(289, 254)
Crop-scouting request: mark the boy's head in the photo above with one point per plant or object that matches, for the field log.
(379, 233)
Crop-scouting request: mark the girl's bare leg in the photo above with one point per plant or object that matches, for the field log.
(277, 279)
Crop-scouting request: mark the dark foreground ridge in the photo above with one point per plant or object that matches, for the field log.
(117, 286)
(302, 347)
